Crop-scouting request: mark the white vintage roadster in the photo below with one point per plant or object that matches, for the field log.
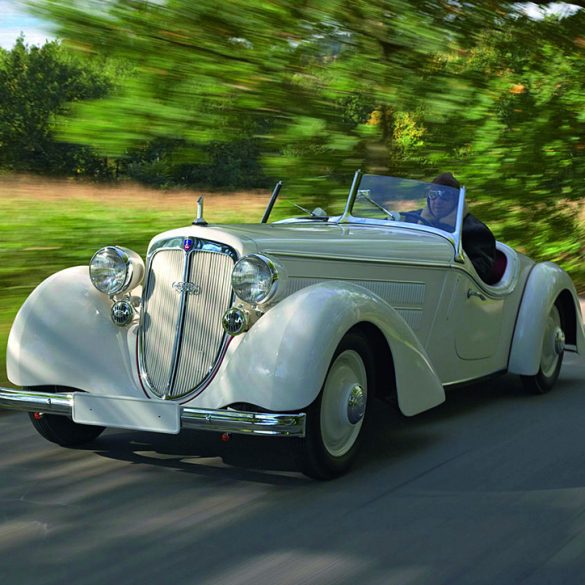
(292, 329)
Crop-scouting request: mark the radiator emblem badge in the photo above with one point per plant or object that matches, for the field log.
(187, 287)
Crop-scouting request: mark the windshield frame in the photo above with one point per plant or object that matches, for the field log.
(347, 218)
(454, 237)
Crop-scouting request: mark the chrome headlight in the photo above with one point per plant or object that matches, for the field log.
(255, 279)
(114, 270)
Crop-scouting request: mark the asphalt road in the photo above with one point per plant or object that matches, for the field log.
(487, 488)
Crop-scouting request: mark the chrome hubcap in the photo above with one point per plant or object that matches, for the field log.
(559, 341)
(356, 405)
(553, 343)
(343, 403)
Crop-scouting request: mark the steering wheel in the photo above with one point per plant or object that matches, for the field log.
(416, 217)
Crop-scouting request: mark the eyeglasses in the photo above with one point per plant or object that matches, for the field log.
(441, 194)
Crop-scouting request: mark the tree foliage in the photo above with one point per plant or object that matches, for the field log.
(319, 88)
(283, 67)
(520, 141)
(37, 84)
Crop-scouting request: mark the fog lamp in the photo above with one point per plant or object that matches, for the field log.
(235, 321)
(122, 313)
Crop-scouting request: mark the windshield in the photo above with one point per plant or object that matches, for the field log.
(406, 200)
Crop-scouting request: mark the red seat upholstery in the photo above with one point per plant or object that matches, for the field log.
(498, 268)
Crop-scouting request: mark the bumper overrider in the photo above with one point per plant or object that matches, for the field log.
(152, 415)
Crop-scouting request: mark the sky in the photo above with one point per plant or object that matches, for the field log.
(14, 20)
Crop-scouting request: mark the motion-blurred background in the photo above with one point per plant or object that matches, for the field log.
(111, 128)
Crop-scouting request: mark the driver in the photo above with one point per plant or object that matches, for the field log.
(441, 212)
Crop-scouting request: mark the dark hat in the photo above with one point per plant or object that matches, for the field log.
(448, 180)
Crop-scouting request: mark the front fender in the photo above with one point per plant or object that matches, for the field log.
(63, 335)
(546, 283)
(281, 363)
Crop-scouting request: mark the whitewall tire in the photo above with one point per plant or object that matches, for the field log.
(335, 420)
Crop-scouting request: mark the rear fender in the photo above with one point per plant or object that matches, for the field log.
(281, 362)
(547, 284)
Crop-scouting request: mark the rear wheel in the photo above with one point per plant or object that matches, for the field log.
(551, 359)
(335, 420)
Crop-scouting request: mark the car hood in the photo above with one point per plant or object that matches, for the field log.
(327, 241)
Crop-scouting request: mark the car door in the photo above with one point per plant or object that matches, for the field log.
(477, 318)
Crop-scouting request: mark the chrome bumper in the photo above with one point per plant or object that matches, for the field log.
(223, 421)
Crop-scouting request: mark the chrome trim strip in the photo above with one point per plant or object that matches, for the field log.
(168, 244)
(202, 245)
(176, 243)
(31, 401)
(458, 236)
(357, 179)
(427, 263)
(236, 421)
(218, 420)
(179, 329)
(468, 381)
(142, 371)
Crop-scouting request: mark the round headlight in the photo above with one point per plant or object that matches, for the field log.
(114, 270)
(254, 278)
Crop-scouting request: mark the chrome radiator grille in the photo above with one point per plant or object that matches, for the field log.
(187, 291)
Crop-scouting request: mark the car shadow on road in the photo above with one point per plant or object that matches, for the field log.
(263, 460)
(470, 415)
(389, 437)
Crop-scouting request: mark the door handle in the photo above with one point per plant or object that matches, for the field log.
(474, 293)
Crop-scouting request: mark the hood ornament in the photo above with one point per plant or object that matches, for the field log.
(199, 219)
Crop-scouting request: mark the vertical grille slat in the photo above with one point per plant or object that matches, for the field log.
(202, 335)
(160, 322)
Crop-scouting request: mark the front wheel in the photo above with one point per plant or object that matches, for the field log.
(336, 418)
(553, 346)
(63, 431)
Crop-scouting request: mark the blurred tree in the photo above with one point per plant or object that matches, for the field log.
(290, 69)
(519, 144)
(323, 87)
(37, 84)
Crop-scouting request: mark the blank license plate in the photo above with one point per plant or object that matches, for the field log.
(127, 413)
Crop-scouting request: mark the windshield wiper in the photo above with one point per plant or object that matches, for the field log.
(317, 213)
(391, 214)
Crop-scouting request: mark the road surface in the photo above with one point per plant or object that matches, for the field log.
(487, 488)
